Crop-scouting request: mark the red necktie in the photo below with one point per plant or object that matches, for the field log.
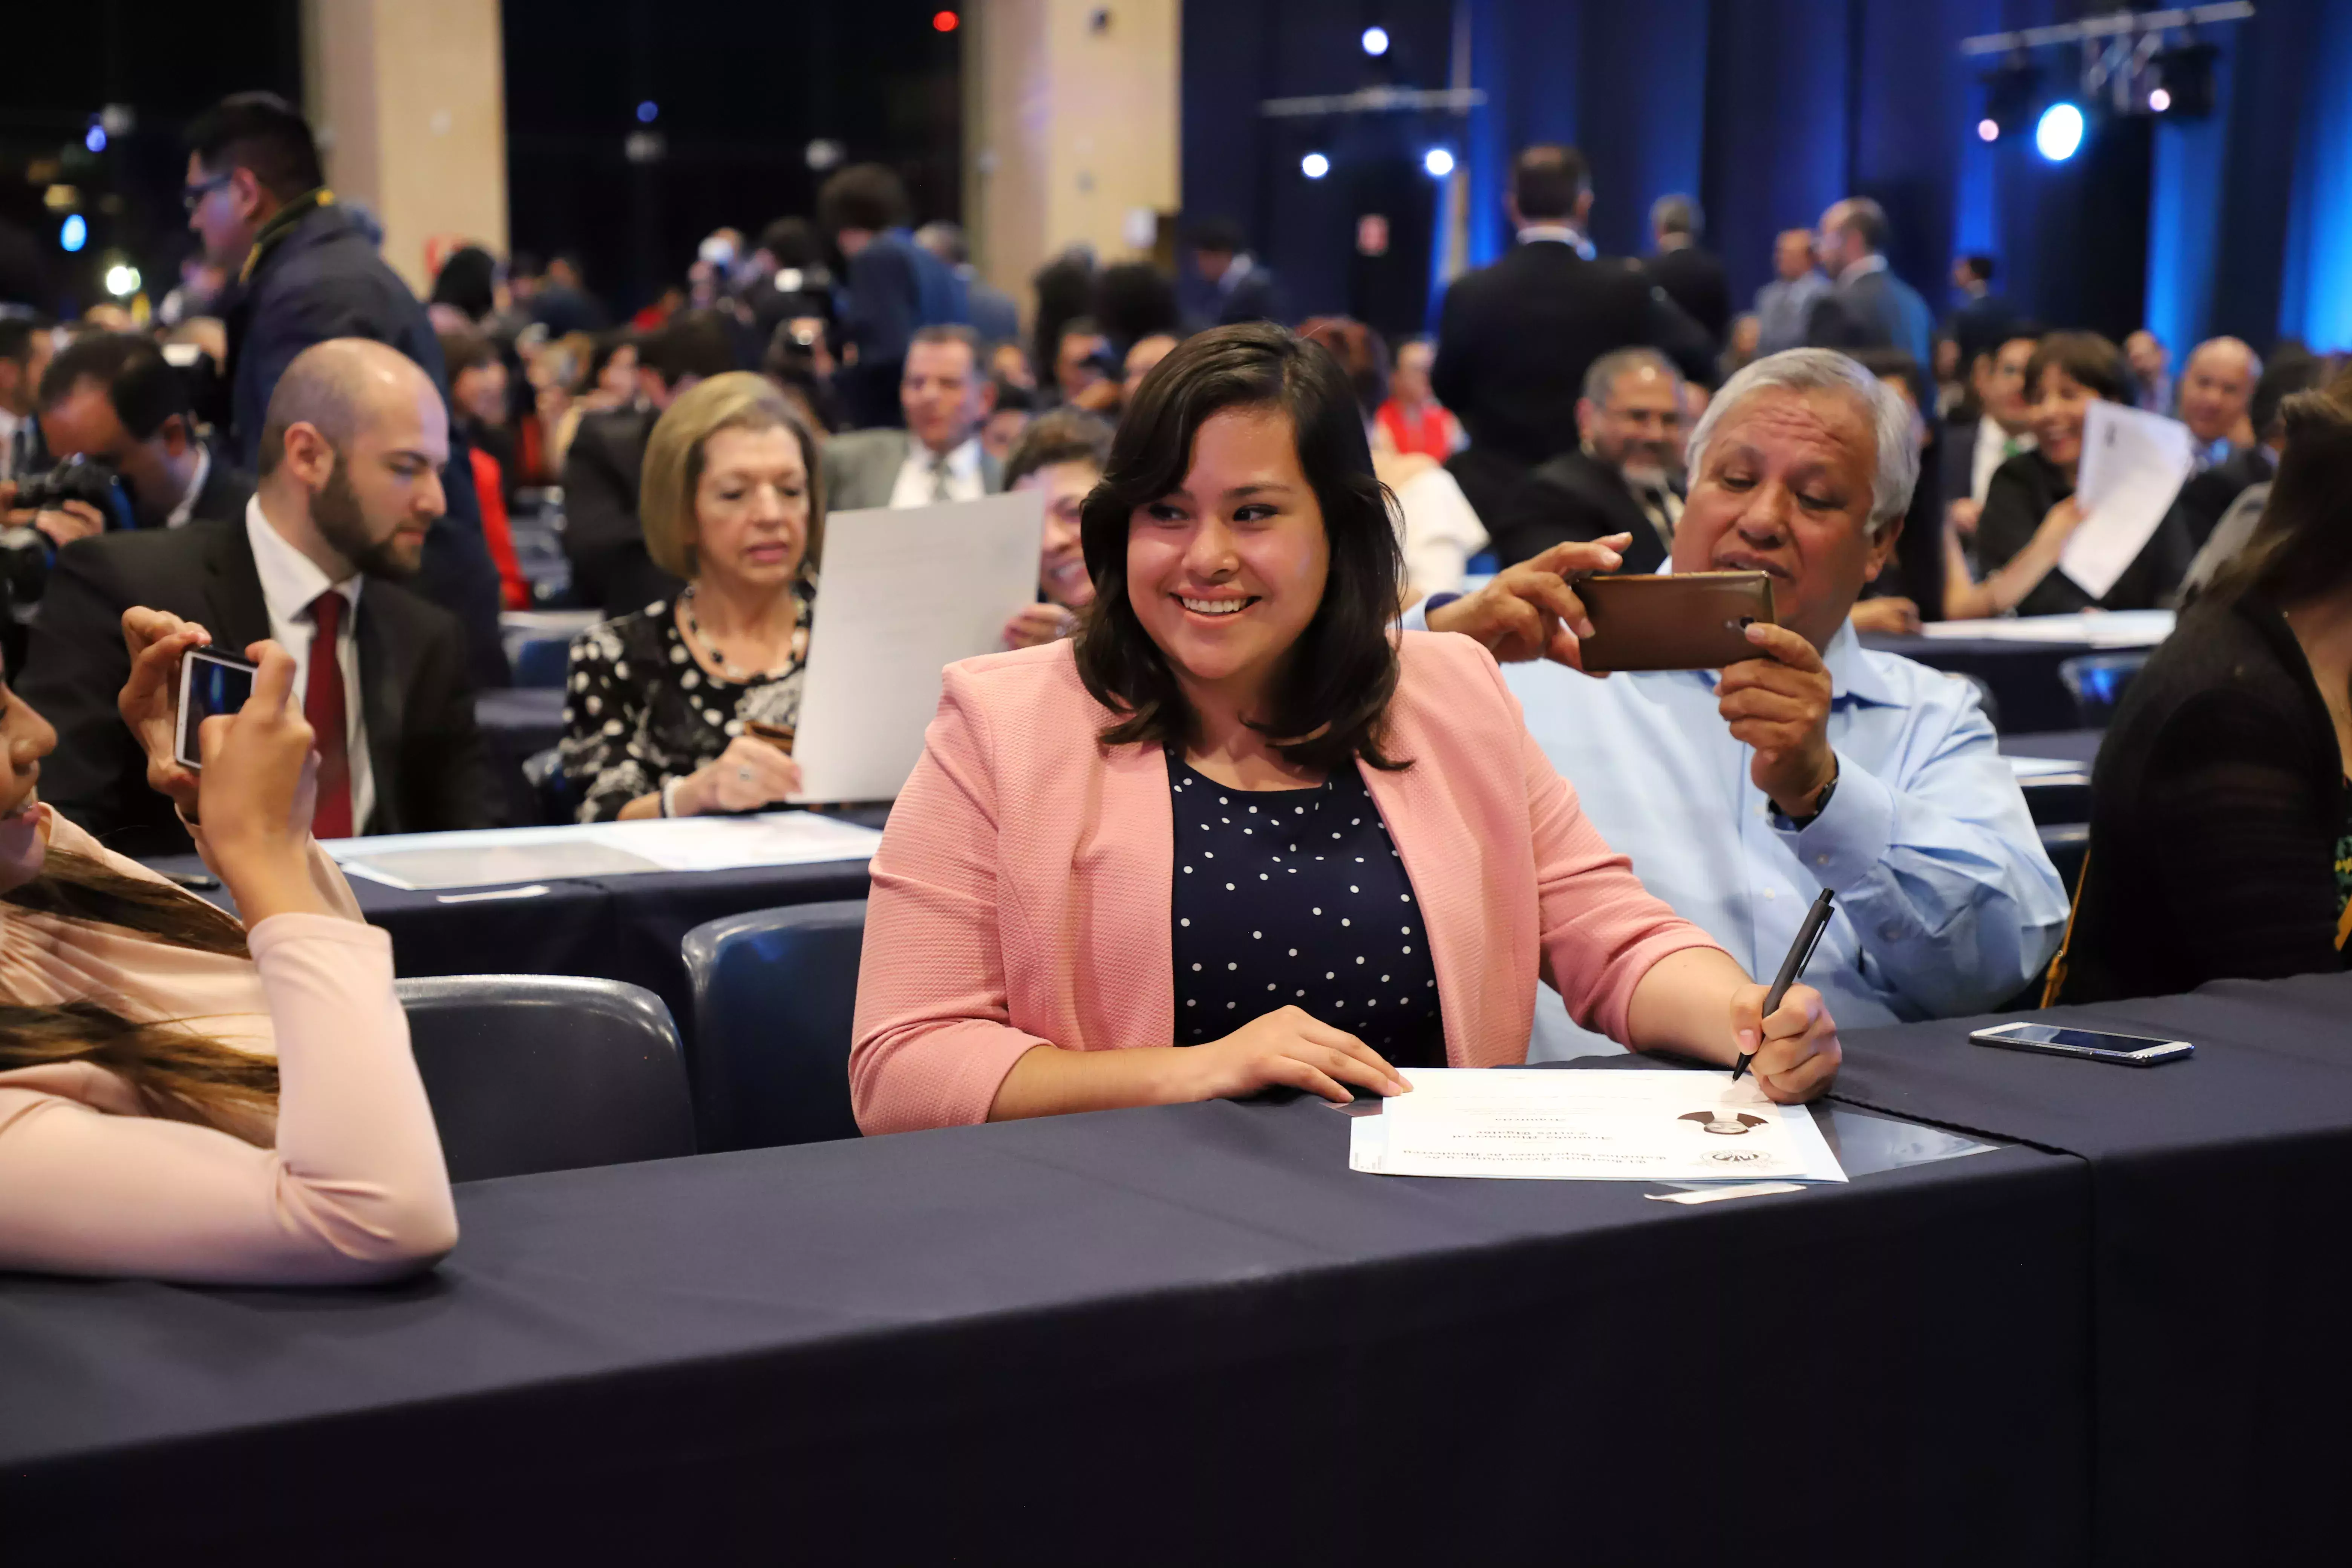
(322, 707)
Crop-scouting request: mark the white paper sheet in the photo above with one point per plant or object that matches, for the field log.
(2132, 468)
(2044, 768)
(2096, 629)
(426, 862)
(903, 594)
(1589, 1126)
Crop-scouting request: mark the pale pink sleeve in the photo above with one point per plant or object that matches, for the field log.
(934, 1038)
(1600, 929)
(325, 875)
(355, 1190)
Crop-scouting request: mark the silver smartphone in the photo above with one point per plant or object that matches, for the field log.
(210, 683)
(2057, 1040)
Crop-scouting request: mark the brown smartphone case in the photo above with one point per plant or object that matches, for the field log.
(1694, 620)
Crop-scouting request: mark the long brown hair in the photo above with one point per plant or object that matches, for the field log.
(176, 1072)
(2302, 548)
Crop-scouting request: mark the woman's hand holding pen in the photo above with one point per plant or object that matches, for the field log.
(1795, 1047)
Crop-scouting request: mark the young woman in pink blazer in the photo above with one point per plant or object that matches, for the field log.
(1238, 832)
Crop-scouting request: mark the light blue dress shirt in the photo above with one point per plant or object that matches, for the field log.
(1946, 903)
(1782, 311)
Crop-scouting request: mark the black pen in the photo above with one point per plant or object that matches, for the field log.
(1800, 952)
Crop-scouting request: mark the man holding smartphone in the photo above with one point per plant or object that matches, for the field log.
(1741, 793)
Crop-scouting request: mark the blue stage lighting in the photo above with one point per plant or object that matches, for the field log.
(1438, 162)
(2059, 132)
(74, 233)
(647, 111)
(95, 139)
(1315, 165)
(1376, 40)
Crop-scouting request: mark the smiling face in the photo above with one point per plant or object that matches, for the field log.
(1784, 487)
(1639, 431)
(27, 738)
(1062, 564)
(2216, 388)
(2057, 415)
(750, 510)
(1228, 570)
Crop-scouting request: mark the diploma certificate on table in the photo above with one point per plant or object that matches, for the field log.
(1639, 1126)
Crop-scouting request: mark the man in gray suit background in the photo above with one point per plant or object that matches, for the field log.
(937, 456)
(1868, 306)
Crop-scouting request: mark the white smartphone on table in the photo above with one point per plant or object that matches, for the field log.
(2059, 1040)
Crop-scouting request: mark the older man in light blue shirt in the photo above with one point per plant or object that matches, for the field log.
(1740, 795)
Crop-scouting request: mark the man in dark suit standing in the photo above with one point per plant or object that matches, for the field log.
(1983, 319)
(1868, 306)
(1234, 287)
(1620, 479)
(304, 271)
(1515, 338)
(351, 450)
(1692, 278)
(112, 397)
(892, 287)
(602, 535)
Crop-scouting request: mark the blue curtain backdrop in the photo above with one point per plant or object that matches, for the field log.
(1770, 109)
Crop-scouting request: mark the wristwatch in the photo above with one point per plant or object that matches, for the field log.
(1821, 801)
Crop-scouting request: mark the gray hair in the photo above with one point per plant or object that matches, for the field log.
(1826, 370)
(1601, 377)
(1676, 214)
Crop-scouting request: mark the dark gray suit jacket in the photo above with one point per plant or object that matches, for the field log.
(861, 469)
(1875, 311)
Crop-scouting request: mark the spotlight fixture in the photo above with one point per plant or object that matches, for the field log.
(74, 233)
(94, 139)
(2159, 100)
(1376, 40)
(1438, 162)
(1315, 165)
(122, 280)
(2181, 82)
(945, 22)
(2011, 94)
(648, 112)
(2058, 134)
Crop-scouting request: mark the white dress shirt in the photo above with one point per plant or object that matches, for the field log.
(1559, 234)
(917, 484)
(1994, 446)
(290, 582)
(1874, 262)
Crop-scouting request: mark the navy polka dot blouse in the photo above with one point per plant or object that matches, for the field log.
(1298, 897)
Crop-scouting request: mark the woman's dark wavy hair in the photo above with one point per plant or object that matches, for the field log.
(1331, 705)
(2302, 548)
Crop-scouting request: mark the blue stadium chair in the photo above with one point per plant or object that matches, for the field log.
(2097, 681)
(773, 995)
(542, 661)
(538, 1072)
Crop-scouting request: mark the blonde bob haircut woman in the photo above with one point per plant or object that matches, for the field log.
(674, 458)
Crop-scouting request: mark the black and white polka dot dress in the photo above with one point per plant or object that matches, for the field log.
(1298, 897)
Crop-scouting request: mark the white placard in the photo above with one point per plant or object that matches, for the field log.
(2132, 467)
(2096, 629)
(902, 596)
(1589, 1126)
(424, 862)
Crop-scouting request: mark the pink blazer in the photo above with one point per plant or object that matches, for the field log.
(1022, 891)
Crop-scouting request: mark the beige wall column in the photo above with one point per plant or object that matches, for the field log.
(409, 101)
(1071, 130)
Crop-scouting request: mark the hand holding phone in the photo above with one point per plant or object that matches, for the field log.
(210, 685)
(156, 640)
(1694, 620)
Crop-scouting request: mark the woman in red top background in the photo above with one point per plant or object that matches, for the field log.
(1413, 420)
